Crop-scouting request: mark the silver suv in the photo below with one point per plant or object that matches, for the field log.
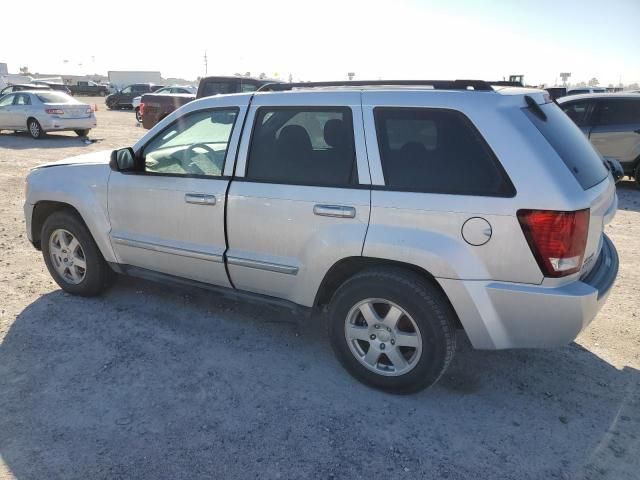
(612, 122)
(406, 209)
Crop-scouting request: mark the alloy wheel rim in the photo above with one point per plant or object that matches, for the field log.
(34, 129)
(383, 337)
(67, 256)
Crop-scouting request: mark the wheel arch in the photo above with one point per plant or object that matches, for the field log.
(43, 210)
(345, 268)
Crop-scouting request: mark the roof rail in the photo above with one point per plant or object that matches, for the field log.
(435, 84)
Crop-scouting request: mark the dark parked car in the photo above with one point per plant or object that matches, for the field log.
(556, 92)
(156, 107)
(124, 98)
(89, 89)
(612, 122)
(19, 87)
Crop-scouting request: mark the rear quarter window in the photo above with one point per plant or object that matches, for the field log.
(437, 151)
(570, 144)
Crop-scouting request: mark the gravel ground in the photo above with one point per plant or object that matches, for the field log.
(151, 381)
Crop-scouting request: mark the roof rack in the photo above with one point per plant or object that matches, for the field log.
(435, 84)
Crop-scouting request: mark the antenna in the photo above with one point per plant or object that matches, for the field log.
(205, 64)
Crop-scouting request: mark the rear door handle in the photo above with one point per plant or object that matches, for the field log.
(334, 211)
(200, 198)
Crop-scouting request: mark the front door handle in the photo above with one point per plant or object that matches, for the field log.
(334, 211)
(200, 198)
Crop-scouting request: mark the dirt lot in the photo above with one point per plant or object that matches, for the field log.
(152, 381)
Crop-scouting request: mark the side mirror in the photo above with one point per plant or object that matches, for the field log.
(123, 160)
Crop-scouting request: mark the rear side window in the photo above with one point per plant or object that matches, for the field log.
(437, 151)
(578, 112)
(570, 144)
(303, 146)
(619, 112)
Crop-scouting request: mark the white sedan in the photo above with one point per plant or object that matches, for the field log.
(39, 112)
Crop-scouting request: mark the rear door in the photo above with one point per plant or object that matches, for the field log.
(300, 199)
(169, 215)
(617, 131)
(21, 109)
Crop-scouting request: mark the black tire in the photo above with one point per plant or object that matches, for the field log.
(83, 132)
(138, 116)
(98, 275)
(423, 301)
(636, 174)
(34, 128)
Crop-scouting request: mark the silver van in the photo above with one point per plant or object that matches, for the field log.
(611, 121)
(406, 210)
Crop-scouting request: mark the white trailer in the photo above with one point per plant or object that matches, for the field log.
(120, 79)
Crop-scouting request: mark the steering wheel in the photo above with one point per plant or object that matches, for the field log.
(188, 155)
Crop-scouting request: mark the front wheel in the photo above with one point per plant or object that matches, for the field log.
(392, 329)
(72, 257)
(35, 129)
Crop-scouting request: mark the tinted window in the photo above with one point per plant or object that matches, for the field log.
(196, 144)
(248, 87)
(619, 112)
(141, 88)
(577, 92)
(571, 145)
(578, 111)
(126, 90)
(437, 151)
(218, 88)
(308, 146)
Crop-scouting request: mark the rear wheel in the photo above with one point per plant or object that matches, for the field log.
(72, 257)
(392, 329)
(138, 116)
(83, 132)
(35, 129)
(636, 174)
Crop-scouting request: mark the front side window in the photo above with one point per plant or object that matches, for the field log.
(578, 112)
(195, 144)
(6, 100)
(126, 90)
(304, 146)
(248, 87)
(619, 112)
(437, 151)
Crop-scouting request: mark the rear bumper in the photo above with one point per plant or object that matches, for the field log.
(499, 315)
(53, 124)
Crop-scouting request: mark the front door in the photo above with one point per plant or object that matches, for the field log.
(7, 116)
(300, 199)
(169, 215)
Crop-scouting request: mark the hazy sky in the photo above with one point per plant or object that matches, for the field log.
(325, 39)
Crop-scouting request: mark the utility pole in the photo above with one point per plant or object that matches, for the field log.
(206, 71)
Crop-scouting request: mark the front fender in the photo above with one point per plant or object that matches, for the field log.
(83, 187)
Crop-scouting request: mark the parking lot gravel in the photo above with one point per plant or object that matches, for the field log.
(153, 381)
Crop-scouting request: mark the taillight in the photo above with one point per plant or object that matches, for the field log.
(54, 111)
(141, 108)
(557, 239)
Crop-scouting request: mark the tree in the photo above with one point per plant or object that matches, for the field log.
(634, 86)
(24, 70)
(581, 84)
(262, 76)
(593, 82)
